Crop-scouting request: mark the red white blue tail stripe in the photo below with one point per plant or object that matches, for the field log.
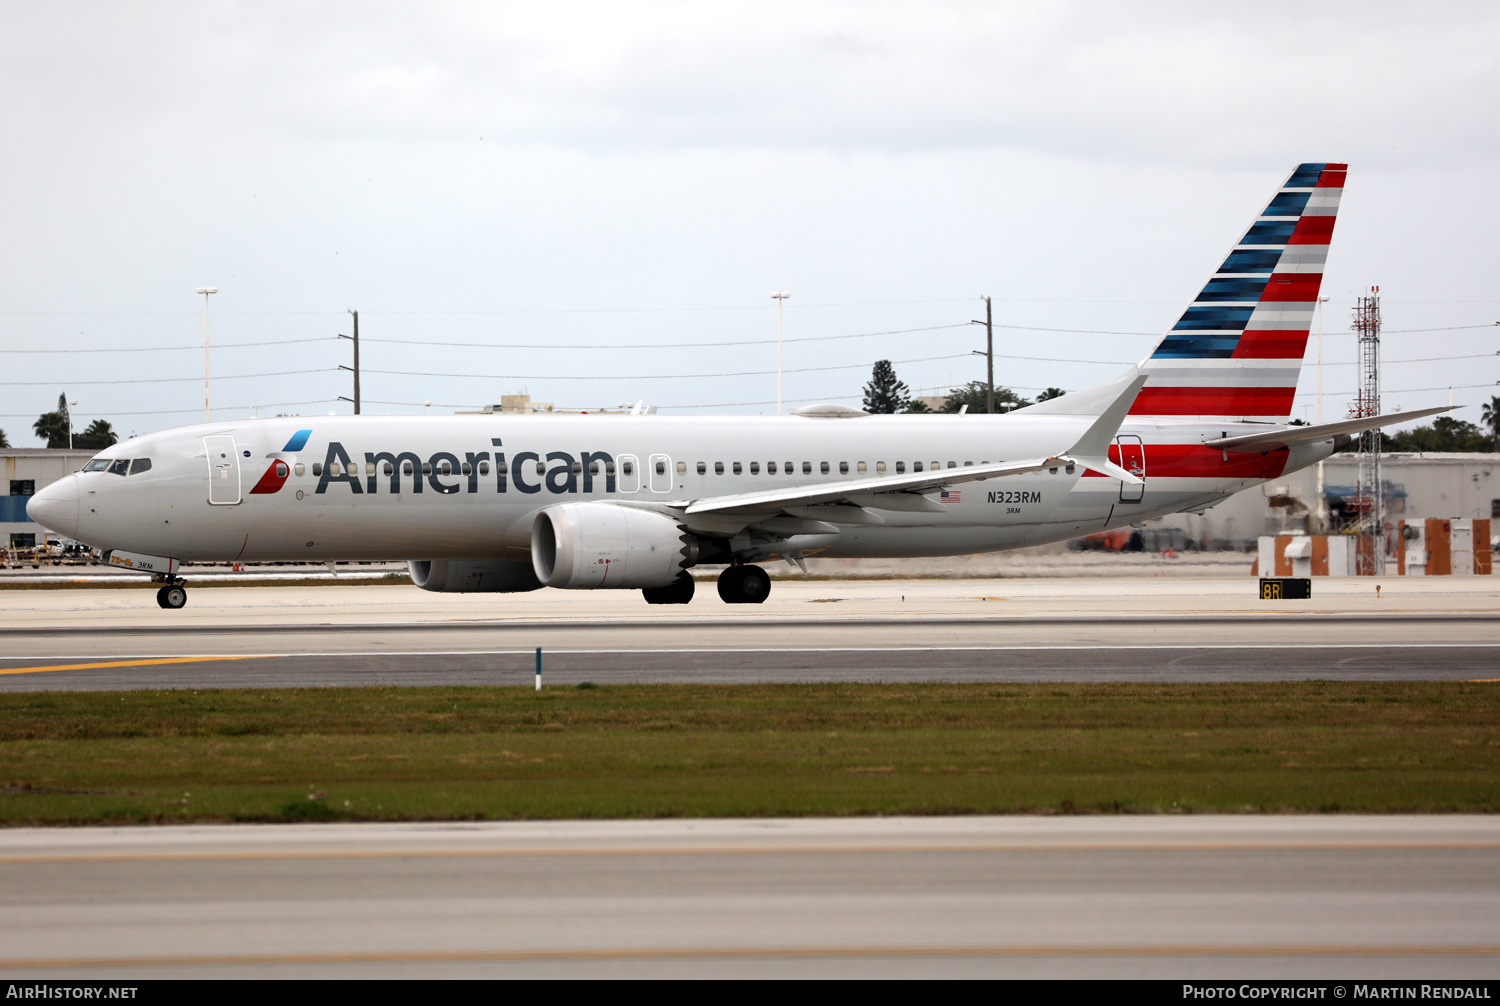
(1237, 350)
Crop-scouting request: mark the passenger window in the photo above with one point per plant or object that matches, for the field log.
(369, 468)
(661, 468)
(788, 468)
(445, 468)
(901, 467)
(144, 465)
(466, 469)
(770, 468)
(807, 468)
(702, 468)
(916, 466)
(880, 468)
(334, 470)
(484, 468)
(317, 469)
(822, 467)
(953, 464)
(843, 468)
(578, 468)
(628, 468)
(861, 468)
(541, 468)
(968, 464)
(281, 469)
(609, 467)
(427, 468)
(405, 468)
(682, 468)
(593, 468)
(936, 465)
(755, 468)
(298, 470)
(718, 468)
(737, 469)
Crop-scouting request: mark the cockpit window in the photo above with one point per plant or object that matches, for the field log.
(119, 467)
(140, 465)
(97, 465)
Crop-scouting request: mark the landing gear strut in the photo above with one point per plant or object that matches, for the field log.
(744, 585)
(172, 595)
(679, 591)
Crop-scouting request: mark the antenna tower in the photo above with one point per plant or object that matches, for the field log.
(1369, 497)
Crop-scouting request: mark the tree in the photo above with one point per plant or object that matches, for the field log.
(1446, 434)
(885, 394)
(1050, 394)
(53, 428)
(975, 396)
(917, 407)
(3, 442)
(99, 435)
(1491, 418)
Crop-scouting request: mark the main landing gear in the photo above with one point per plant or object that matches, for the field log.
(744, 585)
(172, 595)
(679, 591)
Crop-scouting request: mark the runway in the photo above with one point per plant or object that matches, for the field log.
(816, 631)
(1324, 897)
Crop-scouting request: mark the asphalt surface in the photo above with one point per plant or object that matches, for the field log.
(1155, 648)
(1248, 897)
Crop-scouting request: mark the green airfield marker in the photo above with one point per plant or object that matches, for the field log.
(538, 668)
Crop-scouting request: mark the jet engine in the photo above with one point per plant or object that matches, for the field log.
(586, 546)
(467, 576)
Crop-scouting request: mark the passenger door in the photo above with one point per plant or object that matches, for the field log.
(223, 471)
(1133, 460)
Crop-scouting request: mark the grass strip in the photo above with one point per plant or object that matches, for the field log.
(747, 750)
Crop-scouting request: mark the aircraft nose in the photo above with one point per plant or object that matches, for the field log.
(56, 506)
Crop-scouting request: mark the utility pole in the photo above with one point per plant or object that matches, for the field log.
(780, 299)
(989, 354)
(355, 368)
(205, 291)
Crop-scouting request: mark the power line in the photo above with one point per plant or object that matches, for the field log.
(161, 349)
(179, 412)
(164, 380)
(665, 345)
(651, 377)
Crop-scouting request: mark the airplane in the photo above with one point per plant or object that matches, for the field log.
(509, 503)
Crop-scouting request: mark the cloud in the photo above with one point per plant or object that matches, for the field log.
(1165, 81)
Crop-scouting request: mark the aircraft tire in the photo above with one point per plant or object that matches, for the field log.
(744, 585)
(172, 596)
(679, 591)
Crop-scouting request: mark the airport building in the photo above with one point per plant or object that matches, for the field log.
(1416, 486)
(28, 469)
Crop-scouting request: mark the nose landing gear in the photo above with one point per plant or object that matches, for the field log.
(744, 585)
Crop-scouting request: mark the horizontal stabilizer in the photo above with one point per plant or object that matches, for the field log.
(1279, 438)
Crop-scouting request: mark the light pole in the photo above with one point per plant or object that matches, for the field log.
(1322, 510)
(71, 402)
(205, 291)
(780, 299)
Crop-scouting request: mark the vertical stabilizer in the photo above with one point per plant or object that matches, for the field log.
(1237, 349)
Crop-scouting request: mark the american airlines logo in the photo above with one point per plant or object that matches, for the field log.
(447, 473)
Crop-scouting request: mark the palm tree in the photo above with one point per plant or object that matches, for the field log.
(53, 428)
(98, 436)
(3, 441)
(1491, 418)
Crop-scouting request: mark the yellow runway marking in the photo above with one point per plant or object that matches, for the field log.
(744, 850)
(123, 663)
(754, 953)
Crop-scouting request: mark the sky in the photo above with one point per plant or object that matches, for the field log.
(591, 203)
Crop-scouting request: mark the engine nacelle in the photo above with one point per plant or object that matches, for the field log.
(588, 546)
(466, 576)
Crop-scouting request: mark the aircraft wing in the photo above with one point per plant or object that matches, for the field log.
(1091, 451)
(864, 491)
(1277, 439)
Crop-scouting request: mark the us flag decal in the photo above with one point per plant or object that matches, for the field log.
(951, 496)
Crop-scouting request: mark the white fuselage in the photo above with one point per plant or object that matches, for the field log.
(198, 500)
